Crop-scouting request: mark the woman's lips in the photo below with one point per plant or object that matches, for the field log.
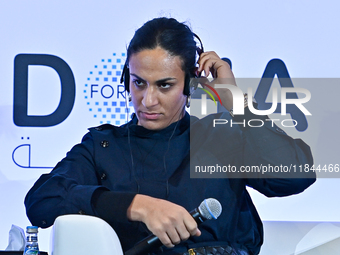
(150, 115)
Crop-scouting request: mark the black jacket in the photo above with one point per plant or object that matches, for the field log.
(101, 176)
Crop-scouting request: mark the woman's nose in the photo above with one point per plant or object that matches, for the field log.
(150, 97)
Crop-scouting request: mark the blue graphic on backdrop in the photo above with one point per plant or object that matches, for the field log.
(104, 94)
(278, 67)
(20, 103)
(22, 154)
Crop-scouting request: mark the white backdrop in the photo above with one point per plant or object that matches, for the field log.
(89, 35)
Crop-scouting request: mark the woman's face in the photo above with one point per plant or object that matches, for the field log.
(156, 87)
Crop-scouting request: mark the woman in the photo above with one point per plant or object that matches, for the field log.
(137, 178)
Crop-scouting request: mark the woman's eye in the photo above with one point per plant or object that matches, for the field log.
(165, 85)
(138, 83)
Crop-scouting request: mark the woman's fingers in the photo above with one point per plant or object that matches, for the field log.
(210, 62)
(171, 223)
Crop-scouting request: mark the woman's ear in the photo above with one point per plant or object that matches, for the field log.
(187, 104)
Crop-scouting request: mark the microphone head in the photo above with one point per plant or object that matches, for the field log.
(210, 208)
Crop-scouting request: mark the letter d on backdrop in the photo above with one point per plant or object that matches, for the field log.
(20, 104)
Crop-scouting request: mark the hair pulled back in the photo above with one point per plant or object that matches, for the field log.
(169, 34)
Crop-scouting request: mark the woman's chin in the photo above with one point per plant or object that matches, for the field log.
(152, 124)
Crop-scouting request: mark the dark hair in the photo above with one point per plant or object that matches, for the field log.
(169, 34)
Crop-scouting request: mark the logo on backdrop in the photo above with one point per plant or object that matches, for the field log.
(278, 67)
(104, 95)
(22, 155)
(20, 104)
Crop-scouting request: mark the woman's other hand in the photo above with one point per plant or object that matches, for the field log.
(171, 223)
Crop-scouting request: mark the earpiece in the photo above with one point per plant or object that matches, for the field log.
(126, 77)
(199, 50)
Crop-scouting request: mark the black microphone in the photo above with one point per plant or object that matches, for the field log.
(209, 209)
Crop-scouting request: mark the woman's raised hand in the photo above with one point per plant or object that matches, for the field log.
(210, 63)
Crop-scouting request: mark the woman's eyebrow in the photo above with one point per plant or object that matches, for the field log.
(136, 76)
(157, 82)
(164, 80)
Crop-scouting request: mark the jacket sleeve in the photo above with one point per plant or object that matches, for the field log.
(69, 188)
(277, 158)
